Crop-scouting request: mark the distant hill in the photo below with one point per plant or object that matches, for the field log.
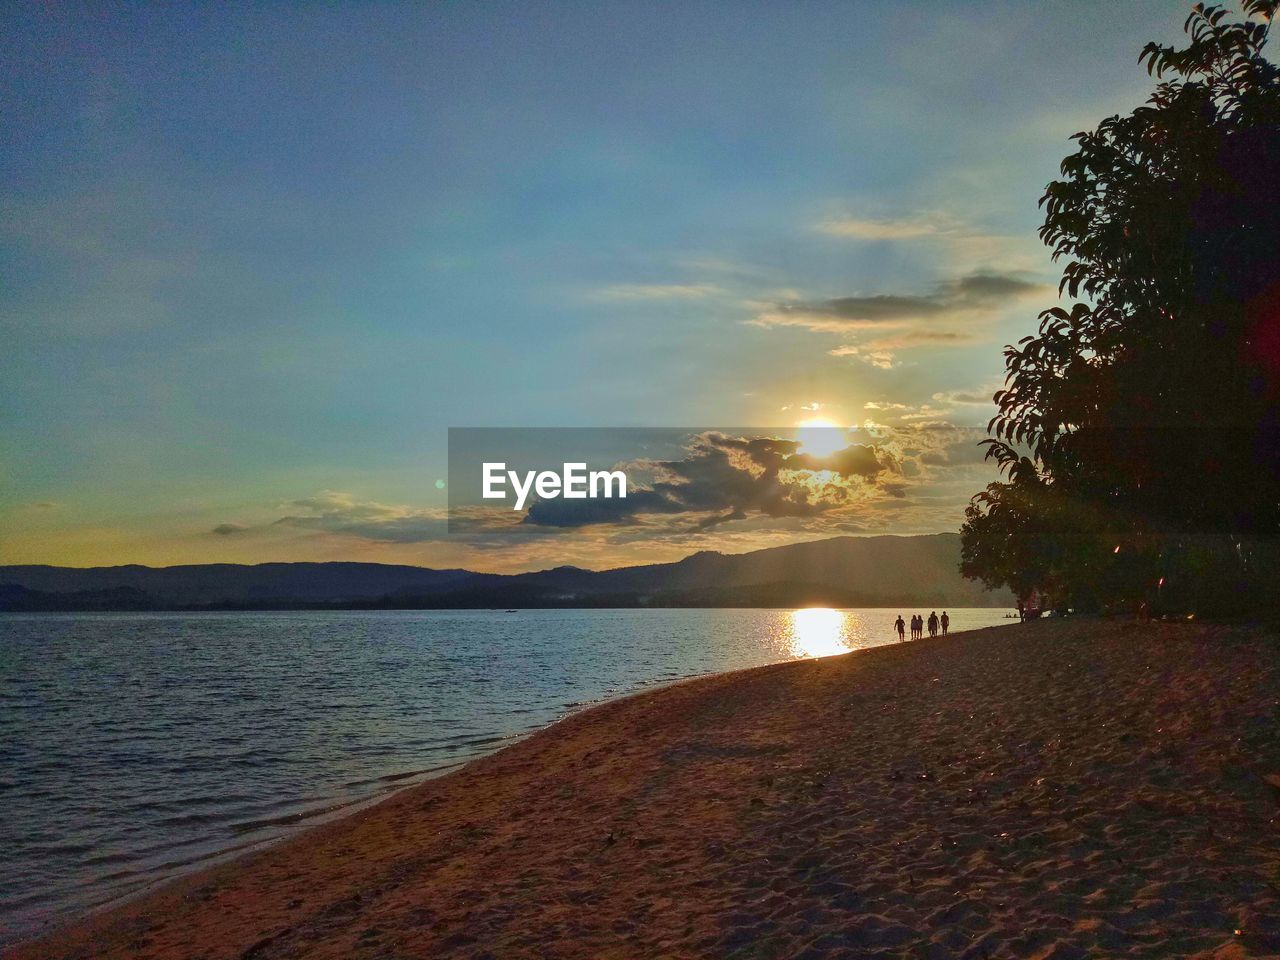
(844, 571)
(233, 583)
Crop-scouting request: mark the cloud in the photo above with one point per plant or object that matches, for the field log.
(723, 266)
(727, 492)
(341, 513)
(952, 314)
(811, 407)
(881, 350)
(956, 299)
(960, 244)
(926, 412)
(910, 228)
(624, 292)
(885, 405)
(929, 442)
(982, 396)
(723, 478)
(877, 358)
(912, 337)
(844, 314)
(857, 460)
(939, 405)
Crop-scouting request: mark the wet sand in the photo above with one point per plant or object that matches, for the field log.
(1053, 790)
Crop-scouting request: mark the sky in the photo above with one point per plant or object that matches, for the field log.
(256, 260)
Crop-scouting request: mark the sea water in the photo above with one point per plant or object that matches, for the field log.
(134, 747)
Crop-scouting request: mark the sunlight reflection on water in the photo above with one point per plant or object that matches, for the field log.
(818, 632)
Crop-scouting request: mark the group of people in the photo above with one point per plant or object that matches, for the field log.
(918, 624)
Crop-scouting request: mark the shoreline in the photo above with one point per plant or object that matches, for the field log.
(42, 897)
(836, 804)
(308, 820)
(332, 814)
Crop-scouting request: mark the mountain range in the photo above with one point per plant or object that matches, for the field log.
(843, 572)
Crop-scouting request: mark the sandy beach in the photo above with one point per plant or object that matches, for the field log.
(1055, 789)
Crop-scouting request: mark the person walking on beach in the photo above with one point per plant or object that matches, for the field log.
(915, 626)
(901, 628)
(933, 623)
(945, 621)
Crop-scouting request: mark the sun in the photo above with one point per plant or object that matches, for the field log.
(820, 438)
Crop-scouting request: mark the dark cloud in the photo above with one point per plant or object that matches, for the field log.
(723, 485)
(585, 513)
(858, 460)
(992, 287)
(950, 300)
(869, 310)
(708, 522)
(730, 478)
(940, 443)
(968, 397)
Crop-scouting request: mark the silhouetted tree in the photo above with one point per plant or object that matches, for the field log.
(1142, 421)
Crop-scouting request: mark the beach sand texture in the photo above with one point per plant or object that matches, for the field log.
(1054, 789)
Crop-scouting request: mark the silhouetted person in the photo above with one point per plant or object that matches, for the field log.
(901, 628)
(933, 623)
(945, 621)
(917, 623)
